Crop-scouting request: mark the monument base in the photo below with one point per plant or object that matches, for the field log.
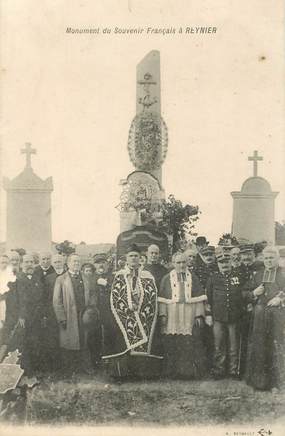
(143, 237)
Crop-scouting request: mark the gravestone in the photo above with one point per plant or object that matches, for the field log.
(28, 209)
(254, 208)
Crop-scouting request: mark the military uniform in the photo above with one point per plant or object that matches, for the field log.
(203, 271)
(224, 293)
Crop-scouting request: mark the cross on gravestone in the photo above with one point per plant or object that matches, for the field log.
(255, 158)
(28, 151)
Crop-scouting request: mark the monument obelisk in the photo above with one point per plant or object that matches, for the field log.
(148, 97)
(147, 147)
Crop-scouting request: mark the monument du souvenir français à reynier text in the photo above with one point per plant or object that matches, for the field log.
(147, 146)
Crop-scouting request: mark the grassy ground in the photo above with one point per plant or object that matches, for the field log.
(95, 400)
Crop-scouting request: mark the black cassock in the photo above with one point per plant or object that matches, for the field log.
(265, 353)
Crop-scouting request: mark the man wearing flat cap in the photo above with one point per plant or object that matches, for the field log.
(224, 293)
(134, 308)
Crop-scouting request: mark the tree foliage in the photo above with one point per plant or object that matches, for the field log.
(228, 239)
(66, 248)
(20, 251)
(177, 219)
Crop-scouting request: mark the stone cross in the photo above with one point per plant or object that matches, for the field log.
(28, 151)
(255, 158)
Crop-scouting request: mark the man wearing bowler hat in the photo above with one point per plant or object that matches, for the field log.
(134, 308)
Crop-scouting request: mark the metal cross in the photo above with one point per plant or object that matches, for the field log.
(255, 158)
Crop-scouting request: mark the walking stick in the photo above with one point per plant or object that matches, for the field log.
(239, 354)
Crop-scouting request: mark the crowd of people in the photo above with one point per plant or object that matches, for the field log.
(212, 312)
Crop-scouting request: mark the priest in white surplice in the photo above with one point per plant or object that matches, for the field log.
(181, 312)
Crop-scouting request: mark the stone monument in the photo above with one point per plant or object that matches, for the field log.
(253, 208)
(147, 147)
(28, 209)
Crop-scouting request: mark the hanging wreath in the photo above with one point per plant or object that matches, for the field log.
(147, 142)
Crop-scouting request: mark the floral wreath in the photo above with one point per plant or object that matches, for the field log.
(147, 142)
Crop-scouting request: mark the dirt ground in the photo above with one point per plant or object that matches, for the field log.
(97, 401)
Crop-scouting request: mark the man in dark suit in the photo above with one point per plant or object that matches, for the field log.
(32, 315)
(51, 333)
(45, 267)
(153, 264)
(102, 336)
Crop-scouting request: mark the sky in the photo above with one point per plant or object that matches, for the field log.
(73, 97)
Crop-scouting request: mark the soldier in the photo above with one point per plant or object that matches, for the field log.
(201, 242)
(224, 293)
(249, 264)
(205, 264)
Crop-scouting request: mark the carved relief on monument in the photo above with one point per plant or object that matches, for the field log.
(148, 139)
(142, 193)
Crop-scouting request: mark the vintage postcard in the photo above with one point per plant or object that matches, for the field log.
(142, 217)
